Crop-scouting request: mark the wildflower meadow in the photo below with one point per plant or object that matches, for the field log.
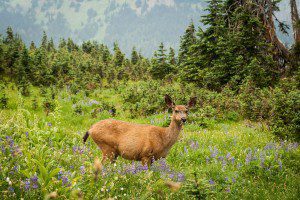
(43, 156)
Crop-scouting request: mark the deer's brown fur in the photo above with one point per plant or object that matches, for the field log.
(137, 141)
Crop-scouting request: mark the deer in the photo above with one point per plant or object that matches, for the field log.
(139, 142)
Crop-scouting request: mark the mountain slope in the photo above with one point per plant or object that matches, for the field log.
(143, 23)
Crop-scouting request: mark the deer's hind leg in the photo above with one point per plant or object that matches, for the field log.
(108, 153)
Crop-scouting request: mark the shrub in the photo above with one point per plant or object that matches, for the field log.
(285, 115)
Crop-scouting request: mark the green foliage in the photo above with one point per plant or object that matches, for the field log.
(285, 116)
(160, 65)
(43, 156)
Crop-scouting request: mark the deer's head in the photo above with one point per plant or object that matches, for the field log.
(180, 112)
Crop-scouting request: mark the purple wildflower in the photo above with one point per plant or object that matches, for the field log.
(11, 189)
(74, 148)
(207, 159)
(233, 180)
(27, 134)
(269, 146)
(185, 150)
(248, 157)
(280, 164)
(211, 182)
(65, 180)
(232, 160)
(214, 152)
(59, 175)
(171, 175)
(35, 186)
(27, 184)
(3, 149)
(181, 177)
(194, 145)
(228, 155)
(82, 169)
(228, 190)
(49, 124)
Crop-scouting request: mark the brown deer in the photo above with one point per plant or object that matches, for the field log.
(139, 142)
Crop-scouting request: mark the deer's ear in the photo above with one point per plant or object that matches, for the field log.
(169, 101)
(192, 102)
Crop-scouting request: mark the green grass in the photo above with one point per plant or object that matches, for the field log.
(226, 160)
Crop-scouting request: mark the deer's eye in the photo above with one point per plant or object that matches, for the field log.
(176, 111)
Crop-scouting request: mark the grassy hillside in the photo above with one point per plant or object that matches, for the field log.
(44, 157)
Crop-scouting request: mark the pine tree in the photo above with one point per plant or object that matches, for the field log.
(134, 56)
(32, 46)
(186, 41)
(171, 57)
(62, 43)
(160, 67)
(50, 45)
(9, 35)
(118, 56)
(44, 41)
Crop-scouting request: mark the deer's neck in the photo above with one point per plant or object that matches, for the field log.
(172, 133)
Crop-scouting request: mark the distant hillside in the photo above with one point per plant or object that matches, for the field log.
(143, 23)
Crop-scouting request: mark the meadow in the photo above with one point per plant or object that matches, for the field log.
(43, 156)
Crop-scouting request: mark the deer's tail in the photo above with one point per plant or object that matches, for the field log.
(85, 137)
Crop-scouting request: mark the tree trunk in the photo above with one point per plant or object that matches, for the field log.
(271, 33)
(295, 21)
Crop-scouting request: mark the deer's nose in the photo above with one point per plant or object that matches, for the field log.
(183, 119)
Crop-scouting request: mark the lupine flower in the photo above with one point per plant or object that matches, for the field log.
(228, 155)
(65, 180)
(269, 146)
(248, 157)
(211, 182)
(233, 180)
(185, 150)
(232, 160)
(214, 153)
(3, 149)
(34, 182)
(181, 177)
(11, 189)
(207, 159)
(27, 184)
(74, 148)
(171, 176)
(27, 134)
(280, 165)
(49, 124)
(59, 175)
(82, 169)
(194, 145)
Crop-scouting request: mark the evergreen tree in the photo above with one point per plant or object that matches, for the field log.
(62, 43)
(134, 56)
(160, 67)
(9, 35)
(186, 41)
(118, 56)
(44, 42)
(50, 45)
(32, 46)
(171, 57)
